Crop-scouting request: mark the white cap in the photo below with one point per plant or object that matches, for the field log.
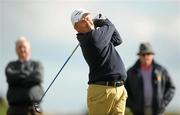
(77, 14)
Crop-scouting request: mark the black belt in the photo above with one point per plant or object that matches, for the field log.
(114, 84)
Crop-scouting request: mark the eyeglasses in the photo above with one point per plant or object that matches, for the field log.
(145, 54)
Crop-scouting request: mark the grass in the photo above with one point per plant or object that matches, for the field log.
(3, 107)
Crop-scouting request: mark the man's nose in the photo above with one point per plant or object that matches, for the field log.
(23, 49)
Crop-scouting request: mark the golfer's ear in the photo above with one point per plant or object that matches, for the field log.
(76, 27)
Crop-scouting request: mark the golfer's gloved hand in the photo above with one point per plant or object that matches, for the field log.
(99, 20)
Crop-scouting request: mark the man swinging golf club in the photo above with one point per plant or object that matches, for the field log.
(98, 38)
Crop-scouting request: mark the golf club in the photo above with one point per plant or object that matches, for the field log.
(36, 105)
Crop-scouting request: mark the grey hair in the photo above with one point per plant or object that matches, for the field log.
(22, 39)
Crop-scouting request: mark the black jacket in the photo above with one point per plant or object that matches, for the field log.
(98, 48)
(163, 89)
(24, 82)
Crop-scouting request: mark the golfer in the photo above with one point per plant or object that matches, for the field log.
(98, 38)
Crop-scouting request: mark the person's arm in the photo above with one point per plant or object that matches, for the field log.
(103, 34)
(116, 38)
(14, 75)
(35, 74)
(169, 90)
(129, 102)
(99, 22)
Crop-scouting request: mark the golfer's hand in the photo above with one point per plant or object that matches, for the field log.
(99, 20)
(100, 17)
(89, 22)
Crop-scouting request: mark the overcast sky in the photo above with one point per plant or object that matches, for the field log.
(47, 25)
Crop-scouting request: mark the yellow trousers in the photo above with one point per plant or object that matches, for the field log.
(106, 100)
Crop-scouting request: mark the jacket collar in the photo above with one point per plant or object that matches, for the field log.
(137, 64)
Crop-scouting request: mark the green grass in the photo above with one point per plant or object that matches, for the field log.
(3, 108)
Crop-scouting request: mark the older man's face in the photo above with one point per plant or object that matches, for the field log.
(146, 59)
(23, 50)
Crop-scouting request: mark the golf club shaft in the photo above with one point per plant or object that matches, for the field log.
(58, 73)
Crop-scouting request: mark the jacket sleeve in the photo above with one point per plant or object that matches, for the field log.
(116, 39)
(14, 76)
(102, 35)
(169, 90)
(35, 75)
(129, 102)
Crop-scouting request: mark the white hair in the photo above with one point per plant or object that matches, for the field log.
(22, 39)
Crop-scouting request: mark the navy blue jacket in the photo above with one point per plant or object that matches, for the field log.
(163, 89)
(98, 48)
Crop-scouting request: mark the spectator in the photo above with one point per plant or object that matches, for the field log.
(149, 85)
(24, 78)
(1, 99)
